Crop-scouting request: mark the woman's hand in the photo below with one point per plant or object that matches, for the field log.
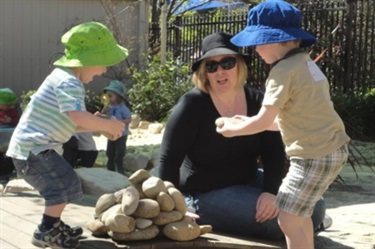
(266, 208)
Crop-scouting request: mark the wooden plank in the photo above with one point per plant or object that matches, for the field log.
(25, 210)
(16, 237)
(4, 244)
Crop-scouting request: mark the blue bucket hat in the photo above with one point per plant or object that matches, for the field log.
(116, 87)
(273, 21)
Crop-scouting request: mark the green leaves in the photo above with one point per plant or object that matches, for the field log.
(157, 89)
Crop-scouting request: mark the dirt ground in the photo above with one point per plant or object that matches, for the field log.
(351, 205)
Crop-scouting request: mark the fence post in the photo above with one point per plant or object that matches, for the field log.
(177, 32)
(349, 44)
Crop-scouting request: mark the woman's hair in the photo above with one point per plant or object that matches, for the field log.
(200, 79)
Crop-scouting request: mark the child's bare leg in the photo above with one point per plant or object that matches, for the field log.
(298, 230)
(54, 211)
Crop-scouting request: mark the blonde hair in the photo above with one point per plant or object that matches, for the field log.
(200, 79)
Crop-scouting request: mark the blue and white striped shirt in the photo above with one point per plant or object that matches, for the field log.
(45, 124)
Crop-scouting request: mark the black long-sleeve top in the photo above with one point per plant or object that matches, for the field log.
(197, 159)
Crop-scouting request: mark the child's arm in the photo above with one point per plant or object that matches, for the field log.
(86, 121)
(264, 120)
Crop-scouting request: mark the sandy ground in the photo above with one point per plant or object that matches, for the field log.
(351, 206)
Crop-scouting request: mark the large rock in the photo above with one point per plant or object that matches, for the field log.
(155, 157)
(134, 162)
(143, 125)
(17, 185)
(98, 181)
(135, 121)
(155, 128)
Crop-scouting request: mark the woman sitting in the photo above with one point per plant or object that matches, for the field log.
(220, 177)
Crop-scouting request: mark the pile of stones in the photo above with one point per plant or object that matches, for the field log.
(147, 209)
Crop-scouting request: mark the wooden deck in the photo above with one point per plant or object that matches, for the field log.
(21, 212)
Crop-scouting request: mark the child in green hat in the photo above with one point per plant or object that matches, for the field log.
(9, 113)
(117, 108)
(55, 112)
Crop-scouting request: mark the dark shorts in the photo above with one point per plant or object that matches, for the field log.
(52, 176)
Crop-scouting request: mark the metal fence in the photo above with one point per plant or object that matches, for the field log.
(345, 28)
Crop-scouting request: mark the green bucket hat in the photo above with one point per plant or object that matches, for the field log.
(90, 44)
(116, 87)
(7, 97)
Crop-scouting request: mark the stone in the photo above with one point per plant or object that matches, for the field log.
(134, 162)
(178, 199)
(143, 125)
(166, 202)
(155, 128)
(167, 217)
(139, 176)
(153, 186)
(155, 171)
(116, 209)
(120, 223)
(182, 231)
(138, 234)
(118, 195)
(104, 202)
(147, 208)
(220, 121)
(142, 223)
(135, 121)
(98, 181)
(97, 228)
(140, 191)
(168, 185)
(205, 229)
(130, 199)
(17, 185)
(154, 159)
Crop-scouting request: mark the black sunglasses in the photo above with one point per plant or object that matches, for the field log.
(226, 63)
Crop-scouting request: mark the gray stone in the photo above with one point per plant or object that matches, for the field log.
(98, 181)
(155, 128)
(136, 119)
(155, 157)
(138, 234)
(130, 199)
(139, 177)
(142, 223)
(143, 125)
(155, 171)
(17, 185)
(153, 186)
(134, 162)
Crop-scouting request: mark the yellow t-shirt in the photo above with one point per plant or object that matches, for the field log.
(309, 125)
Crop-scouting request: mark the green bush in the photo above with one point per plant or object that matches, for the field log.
(357, 112)
(157, 88)
(25, 98)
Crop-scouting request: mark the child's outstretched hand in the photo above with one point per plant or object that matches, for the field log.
(228, 126)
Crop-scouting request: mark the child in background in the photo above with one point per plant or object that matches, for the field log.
(55, 112)
(9, 113)
(297, 97)
(117, 108)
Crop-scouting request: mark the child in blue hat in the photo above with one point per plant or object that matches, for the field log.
(117, 108)
(297, 101)
(55, 112)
